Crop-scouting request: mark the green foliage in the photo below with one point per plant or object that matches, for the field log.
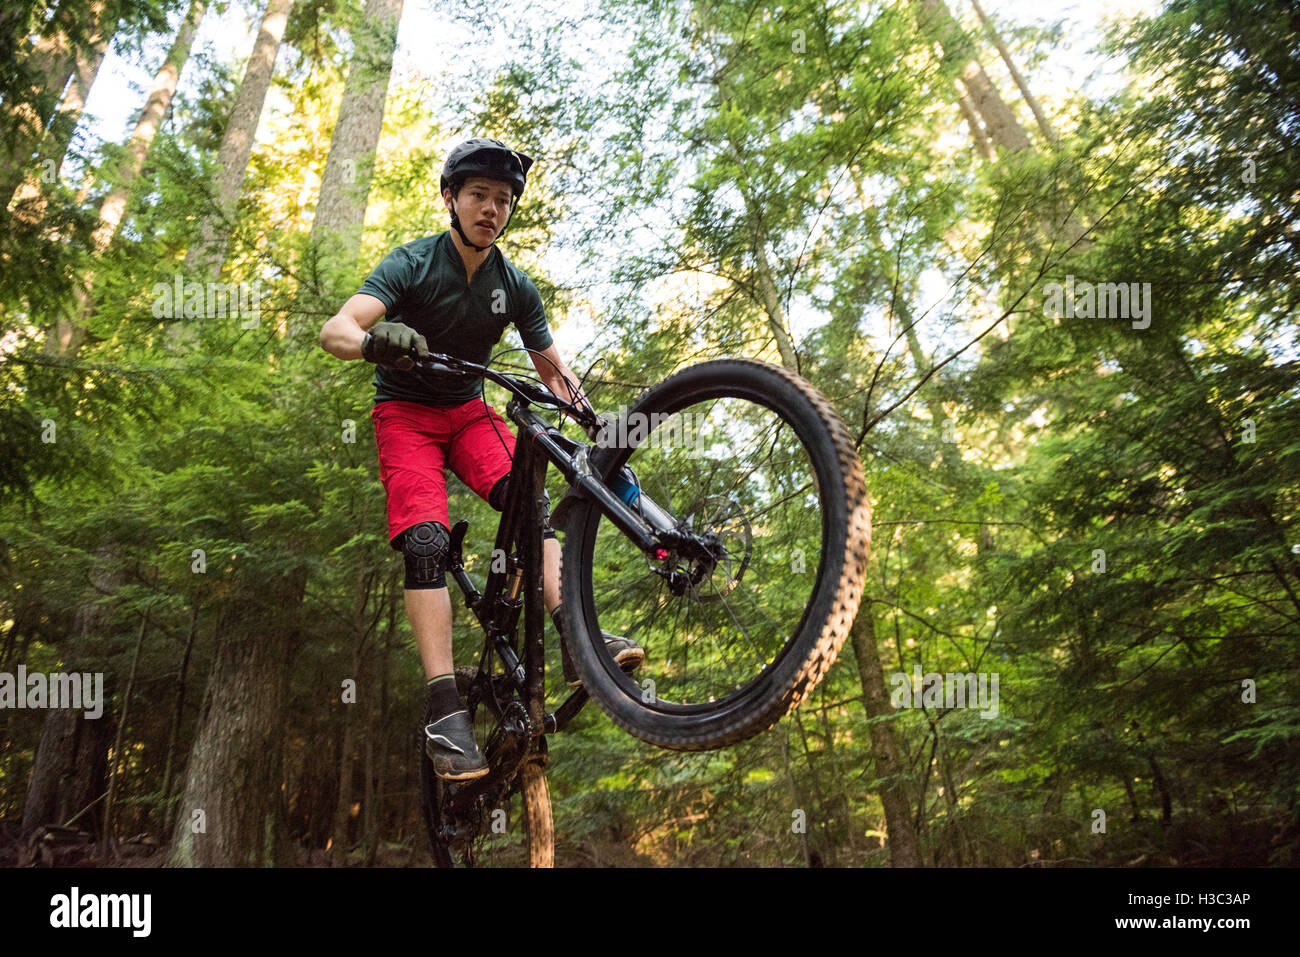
(1101, 515)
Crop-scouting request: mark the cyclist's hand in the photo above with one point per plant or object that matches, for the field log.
(391, 344)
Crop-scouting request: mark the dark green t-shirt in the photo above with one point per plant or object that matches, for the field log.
(422, 285)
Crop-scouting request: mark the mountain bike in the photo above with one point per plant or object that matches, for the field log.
(722, 521)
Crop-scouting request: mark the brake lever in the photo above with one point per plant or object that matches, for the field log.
(430, 365)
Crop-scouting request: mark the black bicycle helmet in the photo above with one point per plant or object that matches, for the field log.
(490, 159)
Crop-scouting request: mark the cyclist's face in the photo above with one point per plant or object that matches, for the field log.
(483, 206)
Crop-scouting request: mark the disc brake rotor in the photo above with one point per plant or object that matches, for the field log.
(721, 521)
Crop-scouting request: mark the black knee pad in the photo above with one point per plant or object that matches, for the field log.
(497, 499)
(425, 547)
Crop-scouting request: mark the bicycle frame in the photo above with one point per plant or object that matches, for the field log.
(518, 586)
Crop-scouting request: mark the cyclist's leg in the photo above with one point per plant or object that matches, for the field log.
(411, 440)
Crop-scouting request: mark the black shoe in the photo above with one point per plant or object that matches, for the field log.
(627, 654)
(449, 743)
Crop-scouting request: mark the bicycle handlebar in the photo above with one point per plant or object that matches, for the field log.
(451, 365)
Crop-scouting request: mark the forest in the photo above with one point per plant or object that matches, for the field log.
(1042, 264)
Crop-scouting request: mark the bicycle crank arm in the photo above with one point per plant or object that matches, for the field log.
(556, 722)
(469, 793)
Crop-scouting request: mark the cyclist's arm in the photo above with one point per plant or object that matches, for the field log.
(564, 387)
(342, 335)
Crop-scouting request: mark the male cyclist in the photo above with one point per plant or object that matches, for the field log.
(454, 293)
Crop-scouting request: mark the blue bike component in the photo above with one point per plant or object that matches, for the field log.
(624, 486)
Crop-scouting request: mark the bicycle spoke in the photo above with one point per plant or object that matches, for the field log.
(764, 480)
(746, 480)
(758, 655)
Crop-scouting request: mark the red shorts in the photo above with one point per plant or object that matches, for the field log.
(416, 442)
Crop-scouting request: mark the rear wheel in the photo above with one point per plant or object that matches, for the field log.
(492, 824)
(754, 462)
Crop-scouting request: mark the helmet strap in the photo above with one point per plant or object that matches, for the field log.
(455, 224)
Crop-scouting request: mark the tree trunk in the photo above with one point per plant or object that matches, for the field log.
(1136, 812)
(209, 251)
(771, 299)
(982, 144)
(938, 414)
(70, 770)
(29, 202)
(70, 335)
(1019, 79)
(903, 846)
(15, 25)
(953, 829)
(363, 625)
(1051, 808)
(178, 717)
(783, 735)
(379, 773)
(165, 82)
(231, 811)
(49, 65)
(369, 834)
(391, 592)
(315, 793)
(823, 854)
(343, 808)
(106, 837)
(1161, 788)
(999, 121)
(1064, 223)
(345, 186)
(71, 766)
(840, 845)
(904, 850)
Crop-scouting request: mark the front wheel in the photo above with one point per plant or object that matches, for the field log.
(754, 463)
